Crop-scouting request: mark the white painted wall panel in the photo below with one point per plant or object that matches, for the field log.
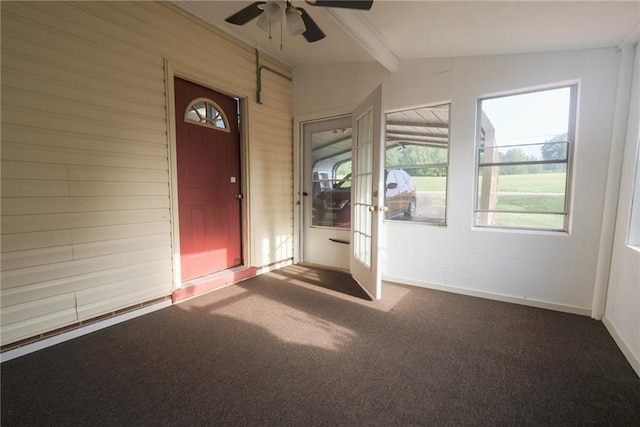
(622, 315)
(86, 207)
(551, 269)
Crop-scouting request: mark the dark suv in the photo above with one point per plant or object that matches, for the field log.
(332, 208)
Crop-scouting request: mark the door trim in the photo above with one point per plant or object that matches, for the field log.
(308, 128)
(172, 70)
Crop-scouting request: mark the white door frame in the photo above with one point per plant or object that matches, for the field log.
(171, 70)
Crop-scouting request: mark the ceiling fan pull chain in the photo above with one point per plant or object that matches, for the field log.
(280, 35)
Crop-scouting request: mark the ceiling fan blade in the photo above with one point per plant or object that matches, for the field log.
(247, 14)
(344, 4)
(313, 33)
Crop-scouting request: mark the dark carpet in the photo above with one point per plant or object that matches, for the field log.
(303, 346)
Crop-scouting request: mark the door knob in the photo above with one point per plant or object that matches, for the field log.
(238, 196)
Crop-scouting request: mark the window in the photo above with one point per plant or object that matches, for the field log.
(524, 144)
(331, 177)
(205, 112)
(417, 164)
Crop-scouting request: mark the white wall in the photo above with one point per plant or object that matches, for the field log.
(553, 270)
(622, 315)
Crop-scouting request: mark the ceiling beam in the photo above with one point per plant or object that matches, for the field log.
(417, 141)
(418, 124)
(417, 134)
(357, 26)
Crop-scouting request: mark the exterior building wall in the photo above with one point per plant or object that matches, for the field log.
(87, 171)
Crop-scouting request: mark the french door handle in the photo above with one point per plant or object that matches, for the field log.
(373, 208)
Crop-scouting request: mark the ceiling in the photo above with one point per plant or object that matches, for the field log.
(394, 30)
(426, 127)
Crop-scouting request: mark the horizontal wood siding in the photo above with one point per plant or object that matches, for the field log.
(272, 172)
(86, 208)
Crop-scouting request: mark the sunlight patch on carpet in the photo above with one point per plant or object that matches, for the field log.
(291, 325)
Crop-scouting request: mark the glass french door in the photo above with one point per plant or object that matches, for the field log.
(367, 207)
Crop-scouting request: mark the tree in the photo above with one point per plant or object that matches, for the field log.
(513, 155)
(415, 155)
(555, 149)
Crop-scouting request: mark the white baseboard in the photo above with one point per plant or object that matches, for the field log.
(633, 361)
(57, 339)
(583, 311)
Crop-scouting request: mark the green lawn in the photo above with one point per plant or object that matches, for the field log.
(533, 183)
(530, 202)
(529, 183)
(430, 183)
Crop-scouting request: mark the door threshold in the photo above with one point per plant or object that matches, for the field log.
(324, 267)
(201, 285)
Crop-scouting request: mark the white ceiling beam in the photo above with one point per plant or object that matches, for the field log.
(357, 26)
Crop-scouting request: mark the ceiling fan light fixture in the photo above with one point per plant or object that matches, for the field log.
(263, 23)
(273, 11)
(295, 24)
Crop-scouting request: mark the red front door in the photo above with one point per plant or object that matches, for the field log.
(208, 148)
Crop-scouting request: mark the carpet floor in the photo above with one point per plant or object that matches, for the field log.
(304, 346)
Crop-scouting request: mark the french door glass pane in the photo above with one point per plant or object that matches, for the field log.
(331, 178)
(363, 187)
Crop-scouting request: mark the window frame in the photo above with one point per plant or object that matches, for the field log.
(574, 88)
(208, 102)
(439, 165)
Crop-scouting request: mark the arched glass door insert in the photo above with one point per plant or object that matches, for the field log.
(205, 112)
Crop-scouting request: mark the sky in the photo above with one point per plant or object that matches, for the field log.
(529, 118)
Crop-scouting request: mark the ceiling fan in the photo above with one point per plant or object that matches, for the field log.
(298, 20)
